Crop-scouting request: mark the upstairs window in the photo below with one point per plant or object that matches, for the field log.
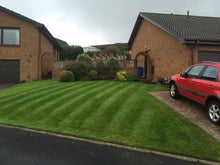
(10, 36)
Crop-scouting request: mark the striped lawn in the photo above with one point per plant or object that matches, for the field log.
(119, 112)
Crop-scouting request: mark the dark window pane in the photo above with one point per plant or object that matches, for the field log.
(10, 36)
(194, 72)
(211, 73)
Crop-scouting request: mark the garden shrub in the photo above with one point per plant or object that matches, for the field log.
(84, 58)
(100, 67)
(131, 78)
(66, 76)
(112, 67)
(85, 78)
(93, 74)
(102, 77)
(79, 69)
(120, 76)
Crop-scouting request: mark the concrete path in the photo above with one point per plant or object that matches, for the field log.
(24, 147)
(191, 110)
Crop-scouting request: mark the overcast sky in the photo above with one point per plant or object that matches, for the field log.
(95, 22)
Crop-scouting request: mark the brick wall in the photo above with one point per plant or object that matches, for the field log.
(168, 56)
(28, 50)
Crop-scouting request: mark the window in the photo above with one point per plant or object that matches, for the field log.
(194, 71)
(211, 74)
(10, 37)
(0, 36)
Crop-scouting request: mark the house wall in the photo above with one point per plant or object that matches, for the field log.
(48, 57)
(168, 56)
(28, 50)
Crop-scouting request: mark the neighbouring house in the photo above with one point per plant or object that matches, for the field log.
(166, 44)
(27, 49)
(91, 49)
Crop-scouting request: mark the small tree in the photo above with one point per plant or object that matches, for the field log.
(113, 67)
(70, 52)
(84, 57)
(110, 50)
(100, 67)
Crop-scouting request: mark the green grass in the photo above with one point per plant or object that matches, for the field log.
(119, 112)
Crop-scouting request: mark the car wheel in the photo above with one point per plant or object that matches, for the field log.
(174, 91)
(214, 112)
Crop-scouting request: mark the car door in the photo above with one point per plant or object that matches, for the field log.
(186, 84)
(206, 84)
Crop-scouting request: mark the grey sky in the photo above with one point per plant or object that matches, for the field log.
(91, 22)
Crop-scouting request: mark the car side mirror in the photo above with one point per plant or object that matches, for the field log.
(185, 75)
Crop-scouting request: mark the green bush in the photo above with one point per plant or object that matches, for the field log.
(84, 58)
(100, 68)
(131, 78)
(112, 67)
(79, 69)
(70, 52)
(102, 77)
(86, 78)
(66, 76)
(120, 76)
(93, 74)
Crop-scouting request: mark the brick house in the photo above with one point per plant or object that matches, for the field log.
(165, 44)
(27, 49)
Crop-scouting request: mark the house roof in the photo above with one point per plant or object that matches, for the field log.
(61, 42)
(38, 25)
(188, 29)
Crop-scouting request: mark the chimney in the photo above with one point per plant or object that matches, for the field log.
(187, 14)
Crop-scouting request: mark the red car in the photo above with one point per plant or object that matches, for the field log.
(201, 83)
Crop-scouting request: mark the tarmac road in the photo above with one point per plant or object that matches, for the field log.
(24, 147)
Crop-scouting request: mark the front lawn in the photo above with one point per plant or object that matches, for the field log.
(119, 112)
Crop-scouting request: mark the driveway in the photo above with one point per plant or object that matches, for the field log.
(191, 110)
(25, 147)
(6, 85)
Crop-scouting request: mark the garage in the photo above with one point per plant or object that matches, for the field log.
(209, 56)
(9, 71)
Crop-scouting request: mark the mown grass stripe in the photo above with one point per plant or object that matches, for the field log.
(17, 97)
(25, 90)
(77, 117)
(119, 122)
(21, 101)
(106, 112)
(45, 111)
(62, 112)
(125, 119)
(32, 105)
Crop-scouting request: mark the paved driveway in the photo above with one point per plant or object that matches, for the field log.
(191, 110)
(6, 85)
(24, 147)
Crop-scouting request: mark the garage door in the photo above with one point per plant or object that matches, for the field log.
(9, 70)
(208, 56)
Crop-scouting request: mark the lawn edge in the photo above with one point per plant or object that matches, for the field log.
(151, 93)
(190, 159)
